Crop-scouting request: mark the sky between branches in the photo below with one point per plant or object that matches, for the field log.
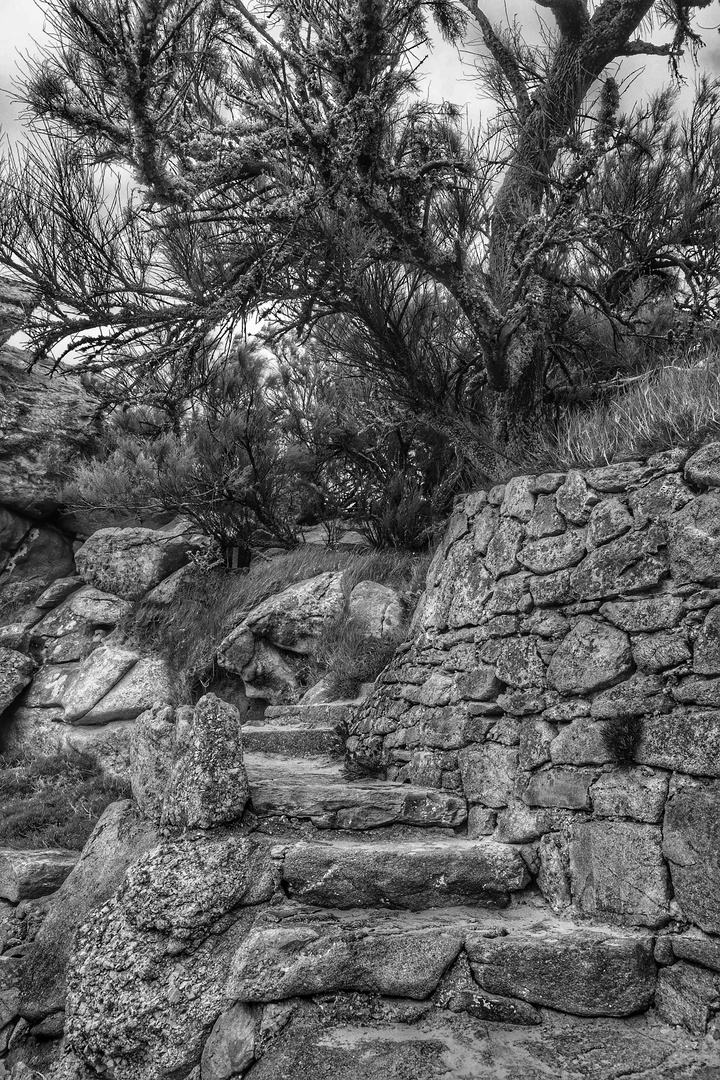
(21, 27)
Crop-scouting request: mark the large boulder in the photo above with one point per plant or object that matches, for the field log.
(130, 562)
(377, 609)
(45, 423)
(44, 555)
(267, 648)
(26, 875)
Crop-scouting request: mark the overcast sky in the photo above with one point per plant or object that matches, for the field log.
(21, 23)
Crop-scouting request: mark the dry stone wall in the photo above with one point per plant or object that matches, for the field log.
(563, 673)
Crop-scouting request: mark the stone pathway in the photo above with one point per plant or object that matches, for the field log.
(423, 936)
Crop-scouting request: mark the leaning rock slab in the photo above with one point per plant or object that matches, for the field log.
(151, 759)
(130, 562)
(95, 678)
(691, 845)
(147, 682)
(574, 969)
(231, 1045)
(26, 875)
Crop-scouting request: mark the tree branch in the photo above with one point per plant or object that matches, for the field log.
(502, 56)
(646, 48)
(571, 16)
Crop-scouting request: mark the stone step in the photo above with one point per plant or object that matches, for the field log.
(415, 874)
(315, 790)
(310, 715)
(293, 740)
(499, 965)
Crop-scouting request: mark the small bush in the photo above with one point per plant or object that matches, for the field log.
(52, 801)
(670, 406)
(350, 657)
(621, 736)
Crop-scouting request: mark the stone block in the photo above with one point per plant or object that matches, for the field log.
(502, 553)
(644, 615)
(689, 996)
(608, 520)
(639, 794)
(637, 696)
(484, 528)
(560, 787)
(552, 589)
(536, 737)
(573, 969)
(696, 690)
(230, 1047)
(488, 774)
(581, 743)
(686, 740)
(697, 947)
(660, 651)
(518, 663)
(706, 653)
(519, 824)
(619, 476)
(553, 878)
(545, 520)
(694, 541)
(574, 500)
(518, 500)
(629, 564)
(402, 959)
(509, 594)
(553, 553)
(591, 657)
(618, 873)
(26, 875)
(547, 483)
(703, 468)
(690, 844)
(413, 875)
(659, 499)
(480, 822)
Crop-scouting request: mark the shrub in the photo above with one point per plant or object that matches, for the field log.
(350, 657)
(52, 801)
(673, 405)
(621, 735)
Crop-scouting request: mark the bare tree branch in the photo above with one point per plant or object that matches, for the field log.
(502, 56)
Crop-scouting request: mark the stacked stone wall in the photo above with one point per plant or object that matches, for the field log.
(563, 672)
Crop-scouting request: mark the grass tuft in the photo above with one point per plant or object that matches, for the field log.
(621, 736)
(52, 801)
(676, 405)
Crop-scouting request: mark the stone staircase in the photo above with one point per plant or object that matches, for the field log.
(385, 894)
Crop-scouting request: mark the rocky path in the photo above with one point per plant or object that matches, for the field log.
(410, 950)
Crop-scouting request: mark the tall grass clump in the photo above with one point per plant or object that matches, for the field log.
(52, 801)
(674, 405)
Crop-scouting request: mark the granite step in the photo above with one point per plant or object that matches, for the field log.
(310, 715)
(292, 740)
(500, 966)
(411, 874)
(315, 790)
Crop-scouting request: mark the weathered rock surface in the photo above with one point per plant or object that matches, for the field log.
(578, 970)
(230, 1047)
(16, 671)
(703, 468)
(207, 786)
(409, 874)
(686, 740)
(151, 759)
(26, 875)
(690, 844)
(293, 788)
(94, 678)
(147, 682)
(633, 793)
(378, 609)
(618, 874)
(400, 956)
(129, 562)
(45, 423)
(689, 996)
(593, 656)
(118, 840)
(694, 541)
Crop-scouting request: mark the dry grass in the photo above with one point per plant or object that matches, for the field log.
(350, 657)
(188, 631)
(674, 405)
(52, 802)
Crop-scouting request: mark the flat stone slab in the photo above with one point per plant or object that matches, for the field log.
(310, 715)
(523, 954)
(316, 791)
(577, 969)
(25, 875)
(355, 1043)
(416, 875)
(291, 740)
